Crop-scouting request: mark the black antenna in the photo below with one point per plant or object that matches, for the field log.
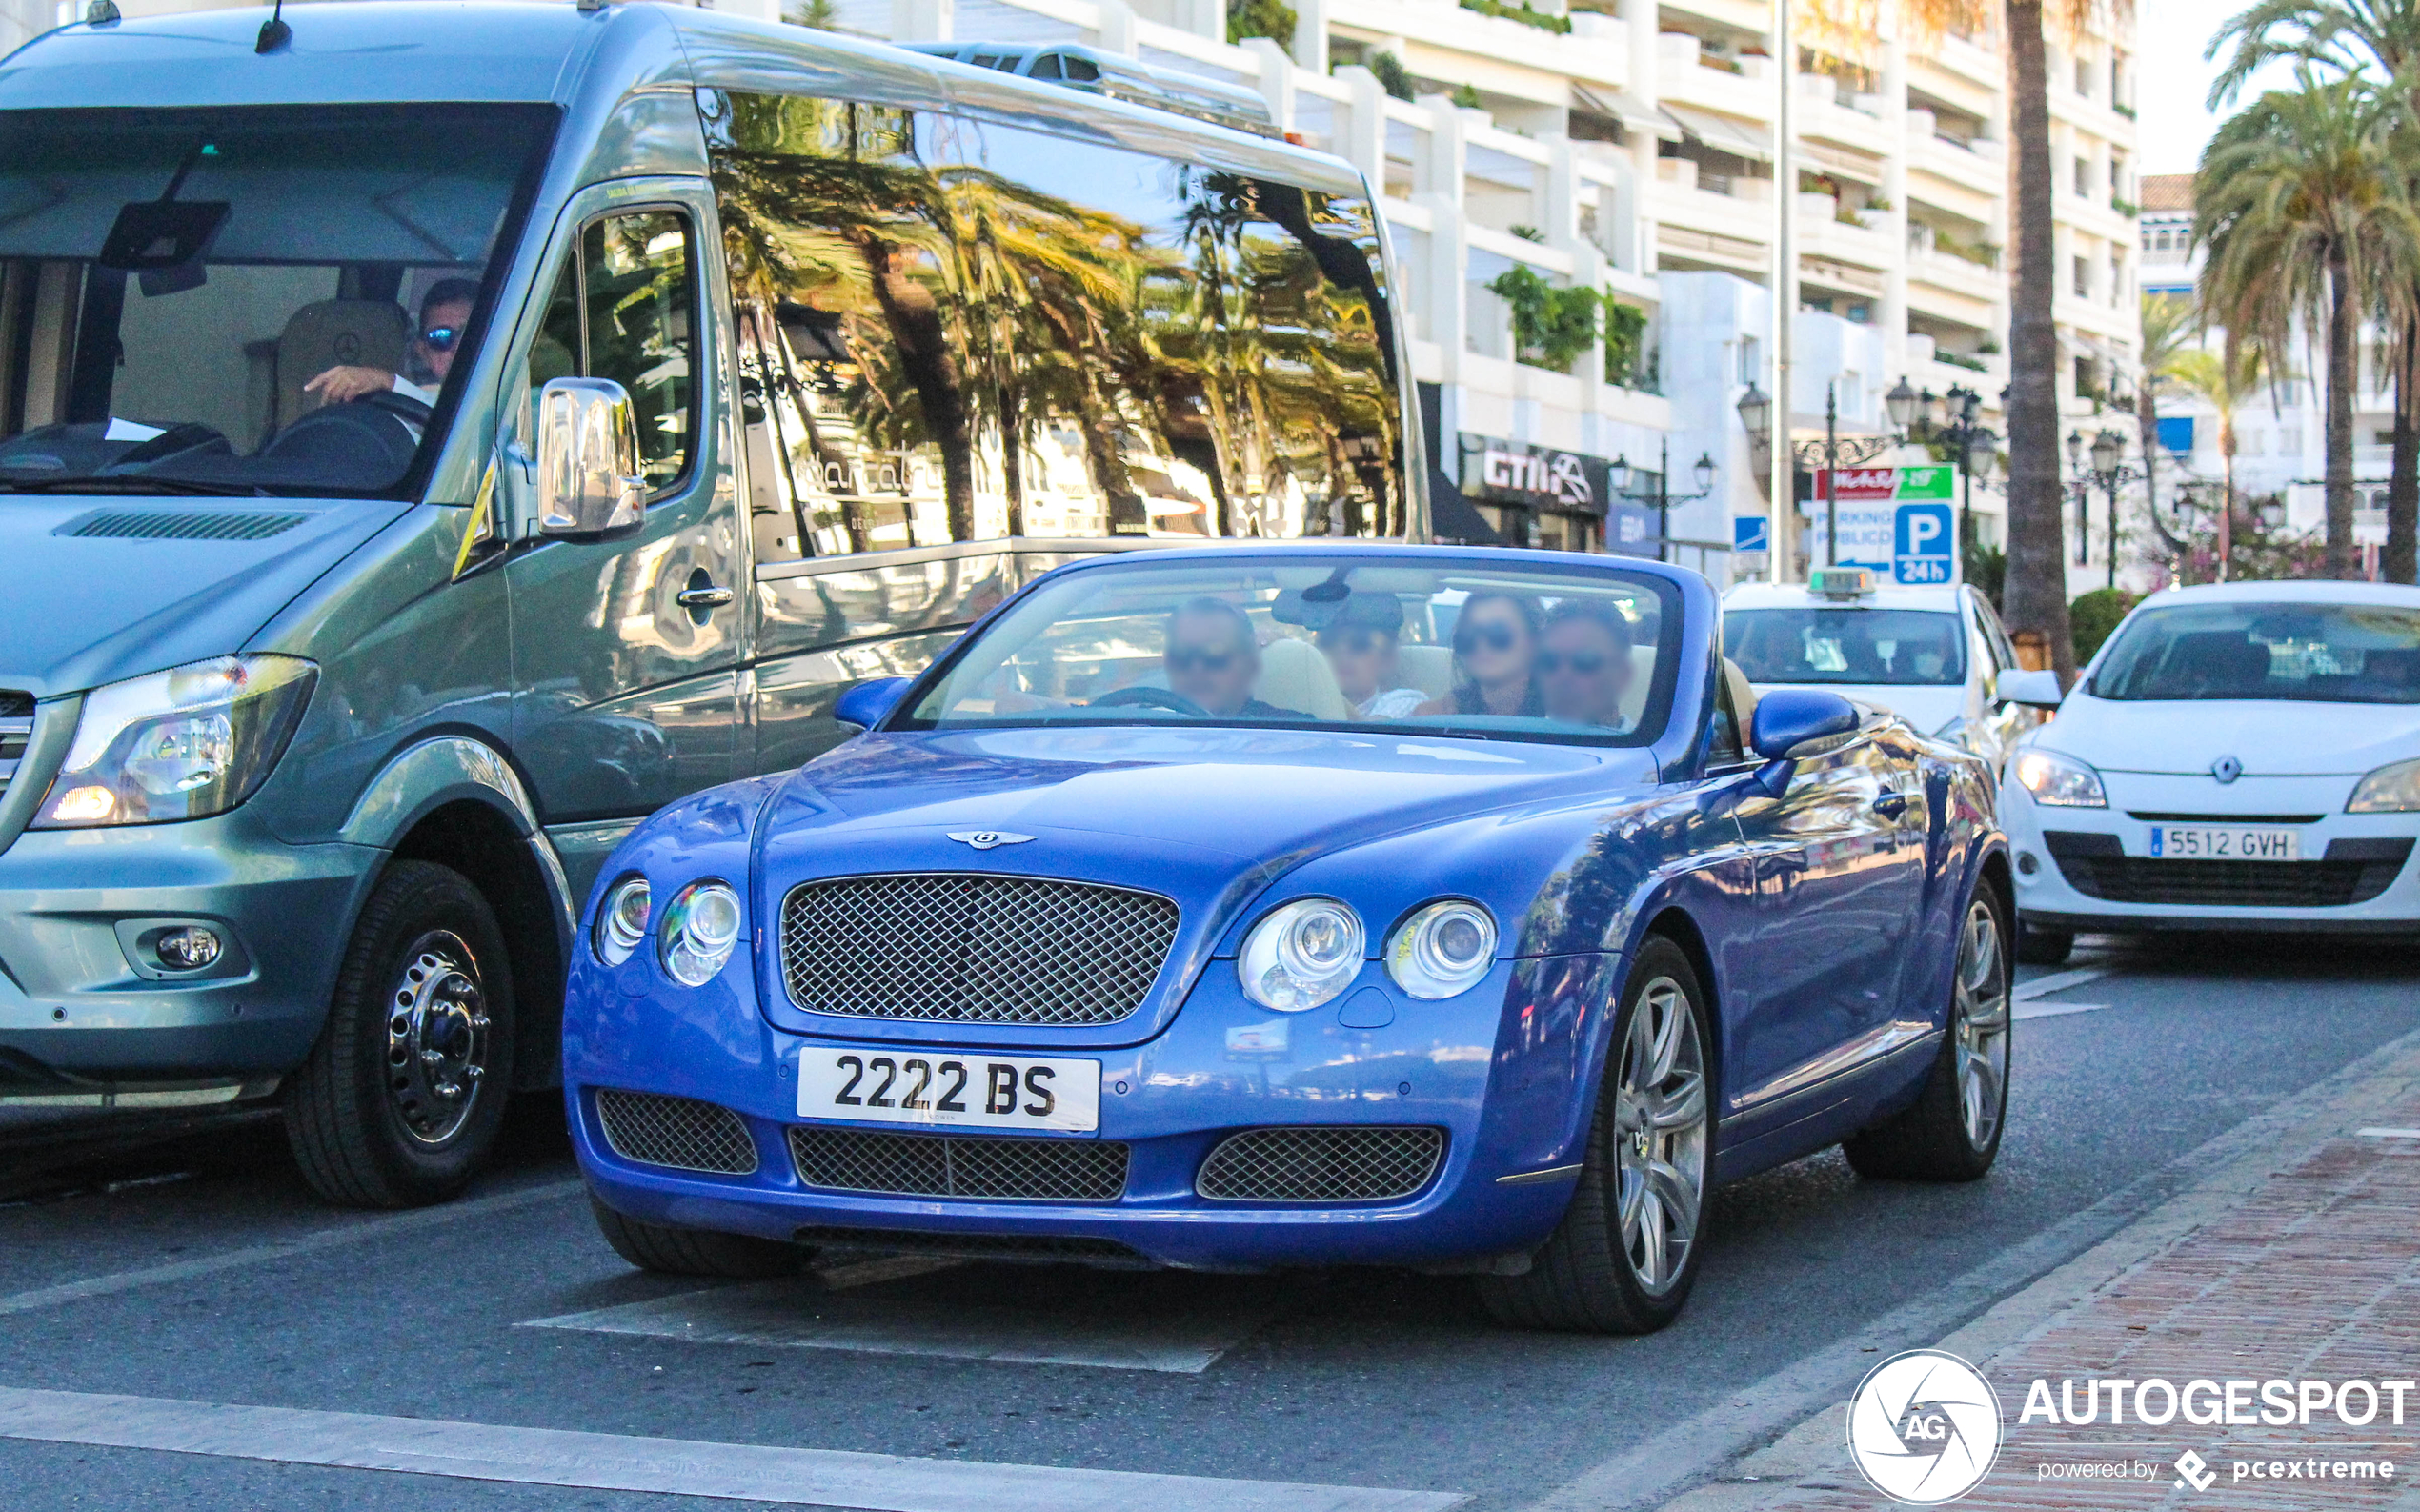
(274, 33)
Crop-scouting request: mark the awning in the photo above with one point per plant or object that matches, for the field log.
(1720, 133)
(1628, 109)
(1451, 517)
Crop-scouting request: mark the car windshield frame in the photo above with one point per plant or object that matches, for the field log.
(531, 128)
(1954, 672)
(1655, 710)
(2118, 665)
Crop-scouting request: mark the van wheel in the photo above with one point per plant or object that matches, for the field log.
(2043, 947)
(1625, 1253)
(1952, 1133)
(403, 1095)
(695, 1251)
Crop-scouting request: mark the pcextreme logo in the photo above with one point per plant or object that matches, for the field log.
(1924, 1428)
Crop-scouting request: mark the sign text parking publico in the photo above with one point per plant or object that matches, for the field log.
(1897, 521)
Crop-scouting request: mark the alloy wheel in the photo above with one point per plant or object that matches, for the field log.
(1660, 1133)
(1979, 1020)
(436, 1038)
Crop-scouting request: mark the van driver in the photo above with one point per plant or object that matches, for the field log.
(445, 312)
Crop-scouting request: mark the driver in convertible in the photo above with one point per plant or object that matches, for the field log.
(1213, 658)
(445, 310)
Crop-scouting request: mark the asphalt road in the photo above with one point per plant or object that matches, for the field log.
(182, 1259)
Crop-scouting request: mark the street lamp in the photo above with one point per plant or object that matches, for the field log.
(2106, 452)
(1901, 405)
(1959, 428)
(1623, 474)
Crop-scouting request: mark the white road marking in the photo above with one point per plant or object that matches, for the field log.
(797, 1314)
(2055, 1010)
(827, 1477)
(2058, 981)
(2388, 1134)
(349, 1233)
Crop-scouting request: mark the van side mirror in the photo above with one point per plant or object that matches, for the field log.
(589, 486)
(870, 702)
(1788, 717)
(2035, 689)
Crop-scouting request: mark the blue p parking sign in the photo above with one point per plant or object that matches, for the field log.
(1921, 540)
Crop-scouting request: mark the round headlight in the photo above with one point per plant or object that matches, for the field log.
(622, 922)
(1443, 949)
(699, 929)
(1301, 955)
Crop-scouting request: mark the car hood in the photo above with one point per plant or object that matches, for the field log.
(2271, 738)
(99, 589)
(1207, 818)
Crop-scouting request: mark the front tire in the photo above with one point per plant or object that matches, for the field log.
(695, 1251)
(401, 1098)
(1952, 1131)
(1625, 1255)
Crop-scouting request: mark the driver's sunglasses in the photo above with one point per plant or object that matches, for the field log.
(1185, 658)
(1587, 663)
(441, 338)
(1497, 636)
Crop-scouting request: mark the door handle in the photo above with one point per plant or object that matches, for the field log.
(709, 596)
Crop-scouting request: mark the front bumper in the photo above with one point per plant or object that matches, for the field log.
(1509, 1109)
(2086, 869)
(84, 1005)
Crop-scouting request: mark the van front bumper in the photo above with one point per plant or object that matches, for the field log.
(86, 1005)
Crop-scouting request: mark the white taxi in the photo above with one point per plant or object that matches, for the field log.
(1932, 655)
(2238, 756)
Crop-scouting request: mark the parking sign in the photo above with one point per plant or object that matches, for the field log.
(1923, 541)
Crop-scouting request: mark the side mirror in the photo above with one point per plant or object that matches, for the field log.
(1788, 717)
(2035, 689)
(589, 486)
(870, 702)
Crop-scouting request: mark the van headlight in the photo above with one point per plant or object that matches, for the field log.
(2060, 783)
(697, 933)
(1301, 955)
(2390, 790)
(622, 922)
(1443, 949)
(180, 744)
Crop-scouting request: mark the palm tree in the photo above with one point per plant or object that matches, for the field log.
(2225, 384)
(2303, 212)
(2341, 37)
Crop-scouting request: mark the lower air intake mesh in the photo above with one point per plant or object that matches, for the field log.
(998, 1168)
(682, 1133)
(1347, 1164)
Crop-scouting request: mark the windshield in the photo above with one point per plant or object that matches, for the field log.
(1470, 648)
(2316, 653)
(262, 300)
(1900, 647)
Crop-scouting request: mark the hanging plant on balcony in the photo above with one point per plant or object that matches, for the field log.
(1551, 326)
(1626, 343)
(1273, 19)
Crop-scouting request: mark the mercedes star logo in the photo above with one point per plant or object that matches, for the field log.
(2226, 769)
(985, 840)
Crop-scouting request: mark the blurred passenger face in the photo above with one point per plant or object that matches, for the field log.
(1365, 659)
(1212, 659)
(1583, 671)
(1494, 642)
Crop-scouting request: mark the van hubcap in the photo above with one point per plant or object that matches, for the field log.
(436, 1037)
(1659, 1120)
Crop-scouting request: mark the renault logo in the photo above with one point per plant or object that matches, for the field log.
(986, 839)
(2226, 769)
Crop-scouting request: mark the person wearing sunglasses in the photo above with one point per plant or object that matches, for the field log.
(1365, 653)
(1585, 665)
(445, 312)
(1213, 658)
(1495, 657)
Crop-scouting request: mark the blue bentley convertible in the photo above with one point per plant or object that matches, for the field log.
(1249, 907)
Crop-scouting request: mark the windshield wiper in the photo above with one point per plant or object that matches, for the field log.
(129, 484)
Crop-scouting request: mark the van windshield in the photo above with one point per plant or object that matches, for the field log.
(276, 300)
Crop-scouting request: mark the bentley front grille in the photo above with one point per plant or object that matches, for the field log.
(682, 1133)
(972, 948)
(1351, 1163)
(996, 1168)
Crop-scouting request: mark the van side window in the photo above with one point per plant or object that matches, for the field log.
(623, 309)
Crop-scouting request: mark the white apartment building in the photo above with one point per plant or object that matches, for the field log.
(1627, 146)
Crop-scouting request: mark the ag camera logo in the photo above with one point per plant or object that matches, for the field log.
(1924, 1428)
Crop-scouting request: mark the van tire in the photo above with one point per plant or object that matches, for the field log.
(366, 1115)
(695, 1251)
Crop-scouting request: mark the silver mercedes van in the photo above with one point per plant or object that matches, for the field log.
(433, 437)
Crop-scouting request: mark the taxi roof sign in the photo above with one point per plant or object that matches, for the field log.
(1842, 582)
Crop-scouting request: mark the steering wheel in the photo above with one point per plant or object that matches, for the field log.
(402, 406)
(1152, 698)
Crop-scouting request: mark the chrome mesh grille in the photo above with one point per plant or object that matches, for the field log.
(1351, 1164)
(17, 729)
(938, 1165)
(961, 948)
(682, 1133)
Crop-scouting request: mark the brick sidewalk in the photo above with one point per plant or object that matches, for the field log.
(2315, 1276)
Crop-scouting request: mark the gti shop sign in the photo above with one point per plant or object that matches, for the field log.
(1535, 477)
(1897, 521)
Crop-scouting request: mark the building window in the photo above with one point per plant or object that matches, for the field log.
(2084, 278)
(2083, 178)
(2084, 78)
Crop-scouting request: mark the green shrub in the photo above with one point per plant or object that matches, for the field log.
(1551, 326)
(1626, 343)
(1392, 76)
(2093, 615)
(1273, 19)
